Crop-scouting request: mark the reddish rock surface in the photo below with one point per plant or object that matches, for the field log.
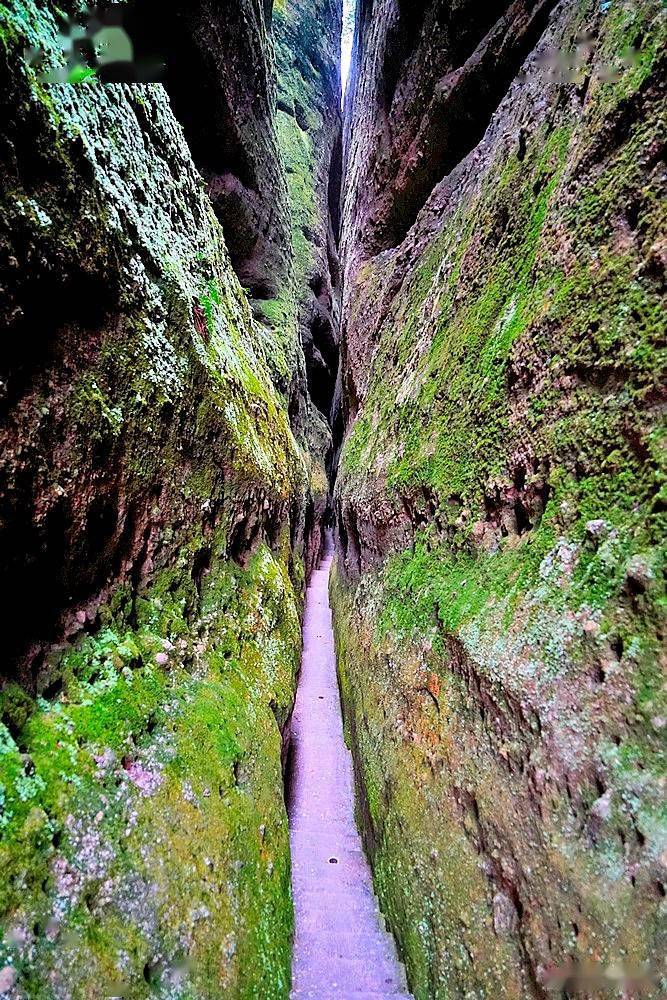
(499, 587)
(162, 488)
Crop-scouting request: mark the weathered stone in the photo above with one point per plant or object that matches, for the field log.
(505, 917)
(502, 376)
(160, 505)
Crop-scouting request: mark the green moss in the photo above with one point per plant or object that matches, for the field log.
(632, 42)
(143, 827)
(460, 378)
(412, 833)
(208, 825)
(298, 153)
(502, 674)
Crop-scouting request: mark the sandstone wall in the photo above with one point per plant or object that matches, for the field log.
(499, 575)
(158, 513)
(308, 121)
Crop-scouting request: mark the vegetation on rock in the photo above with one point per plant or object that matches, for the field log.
(499, 599)
(160, 505)
(483, 237)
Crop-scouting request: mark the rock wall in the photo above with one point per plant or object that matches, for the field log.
(309, 131)
(308, 42)
(160, 489)
(499, 579)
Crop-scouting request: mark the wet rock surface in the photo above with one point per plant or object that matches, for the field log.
(499, 576)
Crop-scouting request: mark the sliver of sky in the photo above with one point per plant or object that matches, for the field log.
(349, 9)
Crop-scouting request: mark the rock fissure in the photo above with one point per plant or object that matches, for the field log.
(269, 370)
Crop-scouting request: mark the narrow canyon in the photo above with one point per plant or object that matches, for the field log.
(332, 499)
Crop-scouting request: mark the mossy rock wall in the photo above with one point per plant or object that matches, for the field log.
(308, 42)
(154, 524)
(499, 601)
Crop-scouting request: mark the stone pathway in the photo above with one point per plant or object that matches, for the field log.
(341, 949)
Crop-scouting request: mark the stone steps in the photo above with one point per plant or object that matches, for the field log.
(341, 947)
(346, 944)
(343, 993)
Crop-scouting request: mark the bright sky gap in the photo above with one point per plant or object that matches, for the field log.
(349, 8)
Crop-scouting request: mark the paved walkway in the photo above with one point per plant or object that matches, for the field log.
(341, 949)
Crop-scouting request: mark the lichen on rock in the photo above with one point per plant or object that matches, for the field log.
(498, 594)
(157, 520)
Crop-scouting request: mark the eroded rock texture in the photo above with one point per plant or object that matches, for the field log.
(499, 578)
(309, 129)
(159, 507)
(308, 121)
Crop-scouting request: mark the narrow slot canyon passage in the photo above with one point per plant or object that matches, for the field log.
(332, 500)
(340, 947)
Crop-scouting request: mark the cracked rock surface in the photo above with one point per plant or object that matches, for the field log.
(499, 581)
(162, 487)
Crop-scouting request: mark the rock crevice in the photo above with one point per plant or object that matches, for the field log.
(233, 314)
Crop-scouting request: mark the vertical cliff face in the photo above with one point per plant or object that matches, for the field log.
(169, 378)
(222, 82)
(309, 130)
(159, 501)
(308, 39)
(499, 577)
